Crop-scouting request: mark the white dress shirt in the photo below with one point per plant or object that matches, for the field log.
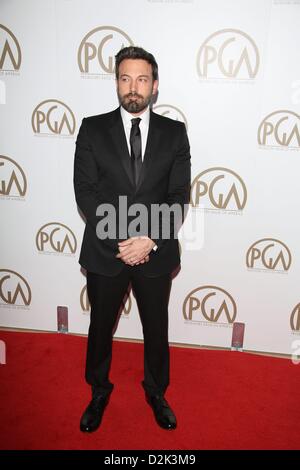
(144, 127)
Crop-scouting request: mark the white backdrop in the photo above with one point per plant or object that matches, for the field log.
(231, 70)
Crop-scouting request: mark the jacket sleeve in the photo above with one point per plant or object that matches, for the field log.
(86, 183)
(179, 186)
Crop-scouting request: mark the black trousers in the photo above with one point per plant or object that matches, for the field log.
(106, 294)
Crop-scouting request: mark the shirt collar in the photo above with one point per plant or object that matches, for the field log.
(126, 116)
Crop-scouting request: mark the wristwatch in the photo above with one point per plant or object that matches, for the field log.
(155, 248)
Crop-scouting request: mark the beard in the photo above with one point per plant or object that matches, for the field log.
(134, 103)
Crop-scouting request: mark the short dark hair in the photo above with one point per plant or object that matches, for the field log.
(134, 52)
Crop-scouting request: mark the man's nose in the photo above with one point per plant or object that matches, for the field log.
(133, 86)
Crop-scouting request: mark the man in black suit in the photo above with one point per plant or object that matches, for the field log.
(130, 154)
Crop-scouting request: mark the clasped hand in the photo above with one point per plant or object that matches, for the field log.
(135, 250)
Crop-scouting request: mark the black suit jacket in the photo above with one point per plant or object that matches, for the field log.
(102, 173)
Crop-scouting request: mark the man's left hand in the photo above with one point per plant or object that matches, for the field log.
(135, 249)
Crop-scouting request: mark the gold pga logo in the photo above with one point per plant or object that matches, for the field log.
(209, 303)
(55, 237)
(126, 305)
(280, 129)
(13, 181)
(219, 188)
(97, 50)
(84, 300)
(53, 117)
(269, 254)
(10, 51)
(295, 318)
(228, 54)
(85, 303)
(171, 112)
(14, 289)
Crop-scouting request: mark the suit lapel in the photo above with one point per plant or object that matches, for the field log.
(119, 138)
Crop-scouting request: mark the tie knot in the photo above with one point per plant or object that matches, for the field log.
(135, 122)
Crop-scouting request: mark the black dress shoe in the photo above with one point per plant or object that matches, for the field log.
(163, 414)
(91, 418)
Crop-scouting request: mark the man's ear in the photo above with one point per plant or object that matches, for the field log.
(155, 87)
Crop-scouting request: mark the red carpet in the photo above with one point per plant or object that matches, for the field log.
(223, 400)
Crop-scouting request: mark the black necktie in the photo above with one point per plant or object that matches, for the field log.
(136, 149)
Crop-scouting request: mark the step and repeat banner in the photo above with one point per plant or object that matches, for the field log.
(231, 71)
